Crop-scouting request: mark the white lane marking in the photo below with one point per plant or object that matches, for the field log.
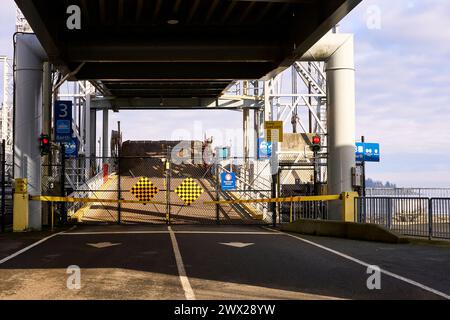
(188, 292)
(103, 245)
(388, 273)
(166, 232)
(112, 233)
(239, 245)
(29, 247)
(228, 232)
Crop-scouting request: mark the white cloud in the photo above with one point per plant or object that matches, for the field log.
(403, 81)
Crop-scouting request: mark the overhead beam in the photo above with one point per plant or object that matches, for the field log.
(257, 38)
(173, 71)
(87, 52)
(278, 1)
(173, 104)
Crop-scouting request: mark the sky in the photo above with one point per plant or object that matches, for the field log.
(402, 49)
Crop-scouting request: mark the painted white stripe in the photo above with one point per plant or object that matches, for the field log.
(365, 264)
(29, 247)
(225, 232)
(166, 232)
(112, 233)
(188, 292)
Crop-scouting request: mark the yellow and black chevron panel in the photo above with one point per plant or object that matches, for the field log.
(144, 190)
(189, 191)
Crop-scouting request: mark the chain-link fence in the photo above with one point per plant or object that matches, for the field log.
(132, 170)
(6, 192)
(177, 191)
(95, 178)
(253, 181)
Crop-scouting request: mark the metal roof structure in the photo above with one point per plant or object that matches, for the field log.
(179, 49)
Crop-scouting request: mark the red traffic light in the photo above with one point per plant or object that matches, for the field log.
(316, 140)
(45, 145)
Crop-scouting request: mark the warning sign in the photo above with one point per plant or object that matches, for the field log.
(189, 191)
(274, 131)
(144, 190)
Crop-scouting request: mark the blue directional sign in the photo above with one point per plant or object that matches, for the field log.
(228, 181)
(264, 149)
(71, 148)
(368, 152)
(224, 153)
(63, 121)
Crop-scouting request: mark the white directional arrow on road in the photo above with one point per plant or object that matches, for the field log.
(102, 245)
(237, 244)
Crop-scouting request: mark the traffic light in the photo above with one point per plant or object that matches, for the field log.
(316, 145)
(44, 144)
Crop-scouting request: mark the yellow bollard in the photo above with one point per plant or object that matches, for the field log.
(291, 214)
(20, 219)
(53, 215)
(348, 206)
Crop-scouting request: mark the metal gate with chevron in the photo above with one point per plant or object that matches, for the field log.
(151, 190)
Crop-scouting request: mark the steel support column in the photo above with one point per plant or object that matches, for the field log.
(256, 131)
(246, 142)
(29, 58)
(340, 71)
(93, 133)
(105, 137)
(47, 98)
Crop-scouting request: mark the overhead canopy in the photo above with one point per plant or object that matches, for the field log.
(180, 48)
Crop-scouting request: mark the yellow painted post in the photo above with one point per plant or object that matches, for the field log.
(348, 206)
(53, 215)
(291, 214)
(20, 212)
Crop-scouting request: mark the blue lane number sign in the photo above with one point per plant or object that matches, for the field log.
(228, 181)
(369, 152)
(63, 121)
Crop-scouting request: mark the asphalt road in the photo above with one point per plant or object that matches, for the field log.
(210, 262)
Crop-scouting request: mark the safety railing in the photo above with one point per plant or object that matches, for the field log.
(420, 217)
(253, 181)
(90, 186)
(311, 210)
(303, 207)
(409, 192)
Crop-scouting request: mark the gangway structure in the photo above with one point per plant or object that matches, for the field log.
(172, 55)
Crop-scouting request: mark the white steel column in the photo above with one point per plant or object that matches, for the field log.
(337, 50)
(93, 133)
(5, 114)
(340, 70)
(256, 131)
(246, 133)
(28, 119)
(246, 145)
(105, 137)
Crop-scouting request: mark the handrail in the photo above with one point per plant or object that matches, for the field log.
(280, 200)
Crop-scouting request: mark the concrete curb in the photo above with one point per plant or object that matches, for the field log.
(347, 230)
(433, 242)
